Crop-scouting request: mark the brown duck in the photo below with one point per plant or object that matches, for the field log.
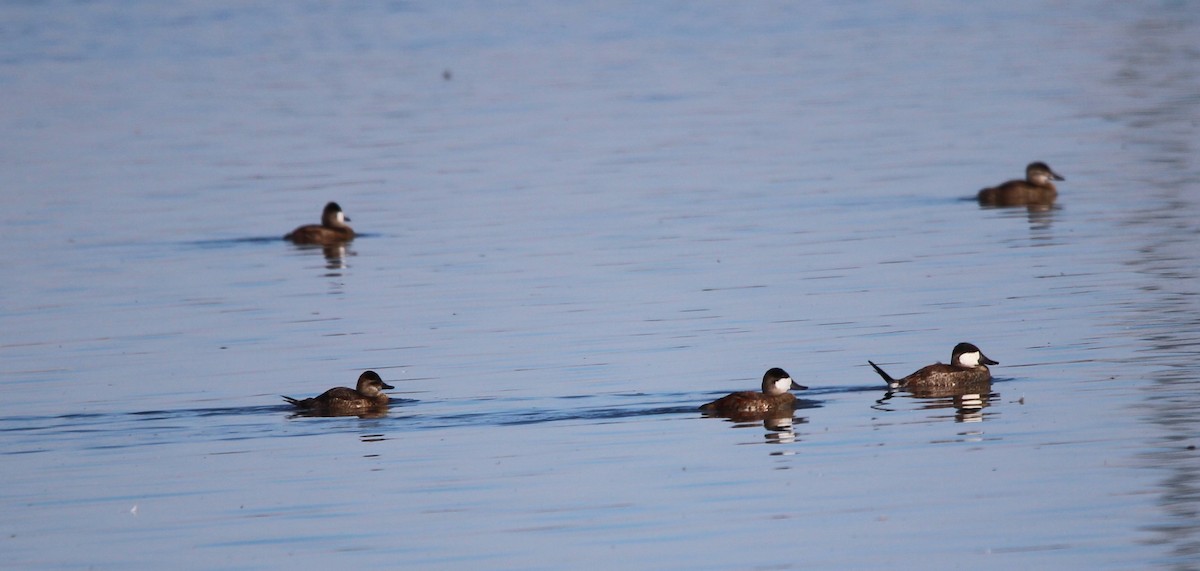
(968, 365)
(332, 229)
(774, 397)
(366, 397)
(1036, 189)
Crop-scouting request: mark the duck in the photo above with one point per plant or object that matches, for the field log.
(332, 229)
(1036, 189)
(367, 396)
(968, 366)
(774, 397)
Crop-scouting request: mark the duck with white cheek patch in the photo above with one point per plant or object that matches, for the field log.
(332, 230)
(968, 365)
(775, 397)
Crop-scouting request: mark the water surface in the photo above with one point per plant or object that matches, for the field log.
(580, 222)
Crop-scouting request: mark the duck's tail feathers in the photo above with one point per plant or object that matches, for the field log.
(291, 400)
(893, 383)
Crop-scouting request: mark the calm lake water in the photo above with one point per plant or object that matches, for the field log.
(579, 222)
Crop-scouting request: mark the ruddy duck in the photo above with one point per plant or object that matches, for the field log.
(967, 365)
(1036, 189)
(333, 228)
(345, 400)
(774, 397)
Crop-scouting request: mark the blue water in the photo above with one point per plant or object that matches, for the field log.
(579, 222)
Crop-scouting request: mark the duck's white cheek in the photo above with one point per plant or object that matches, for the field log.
(783, 384)
(969, 359)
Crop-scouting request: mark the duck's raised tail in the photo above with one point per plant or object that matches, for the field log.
(893, 383)
(291, 400)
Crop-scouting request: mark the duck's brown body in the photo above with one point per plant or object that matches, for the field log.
(982, 390)
(943, 375)
(751, 402)
(341, 398)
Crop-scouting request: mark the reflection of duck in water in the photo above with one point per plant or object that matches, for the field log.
(335, 255)
(968, 366)
(332, 230)
(773, 399)
(967, 400)
(781, 429)
(366, 398)
(1036, 190)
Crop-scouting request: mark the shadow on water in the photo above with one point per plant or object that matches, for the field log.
(232, 242)
(235, 242)
(335, 254)
(779, 427)
(158, 427)
(968, 404)
(1039, 217)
